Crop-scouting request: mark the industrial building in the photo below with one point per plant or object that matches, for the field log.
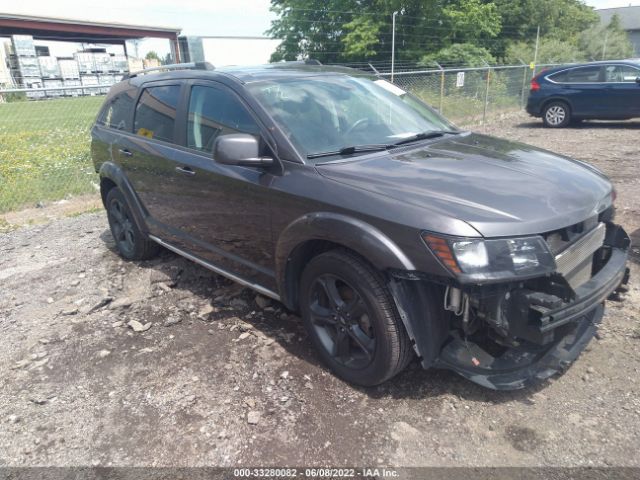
(630, 20)
(228, 50)
(98, 54)
(25, 60)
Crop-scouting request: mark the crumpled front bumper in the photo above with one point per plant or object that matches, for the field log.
(528, 364)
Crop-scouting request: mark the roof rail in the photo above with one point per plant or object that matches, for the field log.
(174, 66)
(307, 61)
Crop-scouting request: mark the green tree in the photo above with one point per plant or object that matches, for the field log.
(153, 56)
(350, 30)
(606, 42)
(362, 38)
(343, 30)
(470, 21)
(560, 19)
(460, 54)
(550, 50)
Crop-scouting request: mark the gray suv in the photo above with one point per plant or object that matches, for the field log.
(393, 233)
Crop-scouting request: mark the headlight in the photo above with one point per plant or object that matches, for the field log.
(494, 259)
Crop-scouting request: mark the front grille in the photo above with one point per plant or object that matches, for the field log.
(577, 256)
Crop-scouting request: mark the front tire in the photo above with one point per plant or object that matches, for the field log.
(130, 241)
(352, 319)
(556, 115)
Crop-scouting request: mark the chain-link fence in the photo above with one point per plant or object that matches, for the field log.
(45, 150)
(469, 96)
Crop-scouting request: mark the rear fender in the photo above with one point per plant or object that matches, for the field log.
(556, 98)
(113, 172)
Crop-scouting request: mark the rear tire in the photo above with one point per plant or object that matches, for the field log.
(130, 241)
(556, 115)
(352, 319)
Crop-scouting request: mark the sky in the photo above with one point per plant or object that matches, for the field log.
(611, 3)
(195, 17)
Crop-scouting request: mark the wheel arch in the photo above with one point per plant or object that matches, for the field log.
(315, 233)
(556, 99)
(111, 176)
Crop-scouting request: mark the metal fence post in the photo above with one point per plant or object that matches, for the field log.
(442, 78)
(524, 85)
(486, 97)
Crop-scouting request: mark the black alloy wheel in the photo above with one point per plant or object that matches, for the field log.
(341, 321)
(352, 319)
(130, 242)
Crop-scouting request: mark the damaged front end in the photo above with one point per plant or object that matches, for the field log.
(511, 334)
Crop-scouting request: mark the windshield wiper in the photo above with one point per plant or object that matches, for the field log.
(425, 135)
(351, 150)
(379, 147)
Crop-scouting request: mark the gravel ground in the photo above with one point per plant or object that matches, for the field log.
(163, 363)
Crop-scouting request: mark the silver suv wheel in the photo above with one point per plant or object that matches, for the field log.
(556, 115)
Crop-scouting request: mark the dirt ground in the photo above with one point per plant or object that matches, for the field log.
(215, 378)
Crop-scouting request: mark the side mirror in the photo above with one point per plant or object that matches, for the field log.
(239, 149)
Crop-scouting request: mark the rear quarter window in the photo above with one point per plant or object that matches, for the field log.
(559, 77)
(116, 113)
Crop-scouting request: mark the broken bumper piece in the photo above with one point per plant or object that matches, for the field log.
(575, 324)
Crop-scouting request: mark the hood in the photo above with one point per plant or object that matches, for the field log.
(499, 187)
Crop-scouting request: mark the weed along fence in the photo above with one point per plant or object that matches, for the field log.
(45, 150)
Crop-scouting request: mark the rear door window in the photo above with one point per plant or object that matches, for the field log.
(117, 112)
(156, 113)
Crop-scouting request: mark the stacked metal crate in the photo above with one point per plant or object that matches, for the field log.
(104, 68)
(135, 64)
(5, 76)
(88, 72)
(24, 65)
(51, 75)
(120, 66)
(70, 76)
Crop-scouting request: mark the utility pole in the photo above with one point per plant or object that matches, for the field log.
(535, 54)
(393, 43)
(604, 46)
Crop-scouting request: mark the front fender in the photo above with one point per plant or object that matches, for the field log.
(355, 234)
(111, 171)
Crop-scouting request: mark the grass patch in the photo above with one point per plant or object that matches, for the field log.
(85, 211)
(45, 150)
(6, 227)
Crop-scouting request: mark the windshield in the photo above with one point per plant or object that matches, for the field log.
(331, 113)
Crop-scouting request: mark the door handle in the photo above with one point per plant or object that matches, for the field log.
(125, 152)
(185, 170)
